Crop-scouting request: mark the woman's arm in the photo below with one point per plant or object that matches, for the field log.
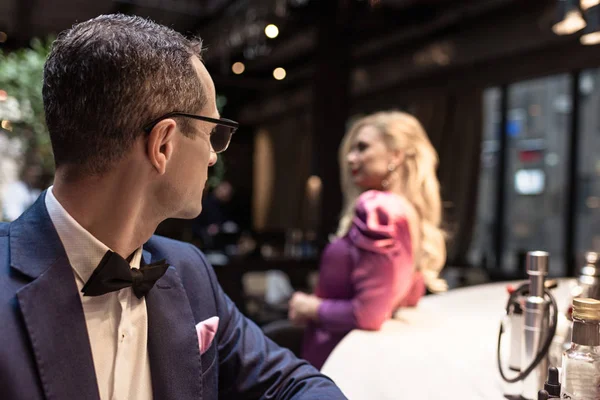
(379, 279)
(376, 279)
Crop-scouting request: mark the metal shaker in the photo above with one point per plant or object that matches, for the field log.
(535, 324)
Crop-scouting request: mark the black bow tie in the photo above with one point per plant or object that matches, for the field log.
(114, 273)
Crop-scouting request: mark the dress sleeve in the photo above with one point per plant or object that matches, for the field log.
(383, 269)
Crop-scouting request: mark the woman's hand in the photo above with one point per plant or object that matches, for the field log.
(303, 307)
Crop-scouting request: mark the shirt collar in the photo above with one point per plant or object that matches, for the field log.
(84, 251)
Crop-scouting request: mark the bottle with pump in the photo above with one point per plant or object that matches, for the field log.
(581, 363)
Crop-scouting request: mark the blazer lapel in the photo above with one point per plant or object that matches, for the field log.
(51, 308)
(173, 346)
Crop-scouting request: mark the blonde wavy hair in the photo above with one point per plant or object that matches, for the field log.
(421, 187)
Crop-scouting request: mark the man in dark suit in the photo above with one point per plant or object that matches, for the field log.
(92, 306)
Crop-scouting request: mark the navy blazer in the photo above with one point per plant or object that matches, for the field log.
(44, 346)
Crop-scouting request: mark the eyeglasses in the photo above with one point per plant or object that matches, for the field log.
(220, 135)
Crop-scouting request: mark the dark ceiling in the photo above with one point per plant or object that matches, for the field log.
(232, 30)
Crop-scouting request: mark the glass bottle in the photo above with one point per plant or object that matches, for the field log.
(581, 363)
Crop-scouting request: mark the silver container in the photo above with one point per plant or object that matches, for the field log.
(535, 323)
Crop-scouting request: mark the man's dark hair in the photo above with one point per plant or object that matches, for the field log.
(106, 78)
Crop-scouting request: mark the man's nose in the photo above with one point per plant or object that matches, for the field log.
(212, 159)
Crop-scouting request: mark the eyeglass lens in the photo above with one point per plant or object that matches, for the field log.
(220, 138)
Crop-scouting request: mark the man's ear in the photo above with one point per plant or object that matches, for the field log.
(160, 144)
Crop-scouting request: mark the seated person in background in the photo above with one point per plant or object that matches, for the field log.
(216, 206)
(389, 246)
(223, 226)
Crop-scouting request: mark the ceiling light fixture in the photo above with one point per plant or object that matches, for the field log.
(591, 33)
(569, 18)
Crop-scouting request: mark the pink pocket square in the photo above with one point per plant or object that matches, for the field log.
(206, 331)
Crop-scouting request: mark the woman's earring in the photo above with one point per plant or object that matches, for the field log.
(386, 183)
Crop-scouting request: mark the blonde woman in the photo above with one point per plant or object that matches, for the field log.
(390, 246)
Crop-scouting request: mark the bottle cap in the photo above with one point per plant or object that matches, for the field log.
(537, 263)
(588, 309)
(543, 395)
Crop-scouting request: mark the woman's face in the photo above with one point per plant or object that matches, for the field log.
(369, 158)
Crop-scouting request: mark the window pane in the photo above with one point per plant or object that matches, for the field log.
(481, 252)
(588, 176)
(538, 124)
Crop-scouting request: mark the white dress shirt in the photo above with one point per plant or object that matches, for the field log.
(117, 322)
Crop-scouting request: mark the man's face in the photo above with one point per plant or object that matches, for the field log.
(193, 155)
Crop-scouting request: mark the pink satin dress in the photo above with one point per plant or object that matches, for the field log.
(364, 276)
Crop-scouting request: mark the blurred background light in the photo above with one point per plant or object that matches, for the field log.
(279, 73)
(272, 31)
